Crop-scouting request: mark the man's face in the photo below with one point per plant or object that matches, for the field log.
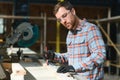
(66, 17)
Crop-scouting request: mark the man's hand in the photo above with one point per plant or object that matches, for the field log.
(65, 68)
(49, 55)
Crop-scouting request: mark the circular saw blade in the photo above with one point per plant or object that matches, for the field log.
(26, 41)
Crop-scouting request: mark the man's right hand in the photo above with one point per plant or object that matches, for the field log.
(49, 55)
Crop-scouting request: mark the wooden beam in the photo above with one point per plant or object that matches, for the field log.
(20, 17)
(111, 19)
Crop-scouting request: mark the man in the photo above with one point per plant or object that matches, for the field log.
(85, 47)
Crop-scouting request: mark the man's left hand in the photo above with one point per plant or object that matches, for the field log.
(65, 68)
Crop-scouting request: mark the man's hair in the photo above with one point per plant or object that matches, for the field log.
(65, 4)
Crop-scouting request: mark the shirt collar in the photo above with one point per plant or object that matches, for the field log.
(81, 24)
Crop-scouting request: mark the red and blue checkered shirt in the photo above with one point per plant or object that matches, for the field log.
(85, 51)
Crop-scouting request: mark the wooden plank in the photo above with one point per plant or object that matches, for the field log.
(2, 73)
(18, 72)
(43, 72)
(53, 69)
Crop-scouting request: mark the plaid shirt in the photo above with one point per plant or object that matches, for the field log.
(85, 51)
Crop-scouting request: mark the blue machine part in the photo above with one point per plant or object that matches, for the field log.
(29, 36)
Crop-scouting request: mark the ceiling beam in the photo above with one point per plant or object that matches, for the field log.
(106, 3)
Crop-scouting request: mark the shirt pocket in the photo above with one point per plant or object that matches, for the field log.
(69, 42)
(79, 40)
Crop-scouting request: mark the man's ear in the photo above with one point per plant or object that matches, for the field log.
(73, 11)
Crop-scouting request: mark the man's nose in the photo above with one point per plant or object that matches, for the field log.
(63, 20)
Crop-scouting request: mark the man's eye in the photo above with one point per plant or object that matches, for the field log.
(64, 15)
